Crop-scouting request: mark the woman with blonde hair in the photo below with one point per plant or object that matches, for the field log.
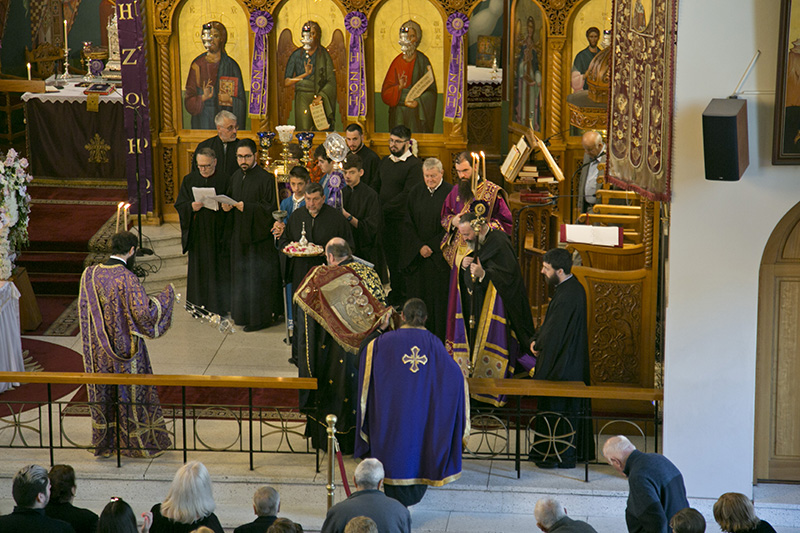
(189, 503)
(734, 513)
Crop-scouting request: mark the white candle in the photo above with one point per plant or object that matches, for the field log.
(119, 208)
(29, 72)
(65, 35)
(483, 158)
(127, 206)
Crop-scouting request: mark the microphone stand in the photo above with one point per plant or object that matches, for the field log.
(141, 250)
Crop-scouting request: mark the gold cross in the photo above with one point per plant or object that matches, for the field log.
(415, 359)
(97, 149)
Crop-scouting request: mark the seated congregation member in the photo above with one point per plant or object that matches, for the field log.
(266, 504)
(561, 347)
(62, 494)
(31, 492)
(491, 289)
(256, 299)
(203, 237)
(688, 521)
(329, 332)
(284, 525)
(298, 179)
(655, 486)
(409, 383)
(426, 271)
(361, 524)
(118, 517)
(189, 503)
(551, 517)
(390, 515)
(734, 513)
(362, 209)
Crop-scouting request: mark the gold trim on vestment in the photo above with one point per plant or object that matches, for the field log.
(421, 481)
(365, 386)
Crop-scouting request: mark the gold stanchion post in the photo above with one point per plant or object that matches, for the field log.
(331, 486)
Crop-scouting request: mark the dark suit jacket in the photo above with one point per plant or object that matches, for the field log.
(568, 525)
(259, 525)
(82, 520)
(33, 520)
(390, 515)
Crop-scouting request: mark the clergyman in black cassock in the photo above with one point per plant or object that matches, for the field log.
(362, 209)
(397, 174)
(427, 278)
(562, 349)
(354, 136)
(326, 223)
(208, 281)
(256, 297)
(224, 144)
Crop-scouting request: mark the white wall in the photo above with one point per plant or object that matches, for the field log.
(718, 234)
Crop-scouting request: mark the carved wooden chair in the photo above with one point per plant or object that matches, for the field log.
(46, 59)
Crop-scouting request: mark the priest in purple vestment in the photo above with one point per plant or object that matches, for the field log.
(413, 407)
(116, 314)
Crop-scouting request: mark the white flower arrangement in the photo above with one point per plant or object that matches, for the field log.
(15, 208)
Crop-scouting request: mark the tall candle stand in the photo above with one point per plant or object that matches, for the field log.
(285, 137)
(265, 139)
(65, 75)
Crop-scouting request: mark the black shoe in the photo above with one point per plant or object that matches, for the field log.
(293, 361)
(257, 327)
(546, 464)
(566, 466)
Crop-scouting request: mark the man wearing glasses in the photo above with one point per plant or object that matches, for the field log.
(398, 172)
(208, 281)
(256, 299)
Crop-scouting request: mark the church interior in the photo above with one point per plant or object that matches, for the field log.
(697, 301)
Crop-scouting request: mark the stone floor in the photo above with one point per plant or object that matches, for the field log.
(487, 498)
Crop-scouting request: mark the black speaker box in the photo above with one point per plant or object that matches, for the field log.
(725, 147)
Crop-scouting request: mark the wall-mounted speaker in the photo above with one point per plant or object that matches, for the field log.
(725, 146)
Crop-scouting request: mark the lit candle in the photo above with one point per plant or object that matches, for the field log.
(119, 208)
(483, 158)
(29, 72)
(127, 206)
(65, 35)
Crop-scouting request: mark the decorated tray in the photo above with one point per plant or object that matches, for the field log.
(295, 249)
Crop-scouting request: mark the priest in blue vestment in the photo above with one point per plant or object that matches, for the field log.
(116, 315)
(413, 407)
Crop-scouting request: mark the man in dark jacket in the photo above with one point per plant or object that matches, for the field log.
(656, 490)
(266, 504)
(31, 491)
(62, 494)
(551, 517)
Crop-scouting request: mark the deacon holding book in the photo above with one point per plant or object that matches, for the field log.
(116, 315)
(208, 281)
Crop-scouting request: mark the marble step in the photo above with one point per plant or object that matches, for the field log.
(175, 274)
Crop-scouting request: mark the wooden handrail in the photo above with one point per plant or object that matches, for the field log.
(176, 380)
(565, 389)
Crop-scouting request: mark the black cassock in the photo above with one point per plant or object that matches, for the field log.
(362, 202)
(369, 161)
(427, 278)
(255, 269)
(226, 158)
(203, 237)
(563, 346)
(395, 180)
(328, 223)
(498, 259)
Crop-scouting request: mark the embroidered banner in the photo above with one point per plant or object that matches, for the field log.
(457, 26)
(130, 26)
(642, 97)
(261, 23)
(356, 23)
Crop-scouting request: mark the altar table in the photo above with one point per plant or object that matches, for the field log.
(67, 141)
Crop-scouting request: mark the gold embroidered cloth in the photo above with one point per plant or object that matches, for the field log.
(642, 98)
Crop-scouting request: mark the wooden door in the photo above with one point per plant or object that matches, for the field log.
(777, 422)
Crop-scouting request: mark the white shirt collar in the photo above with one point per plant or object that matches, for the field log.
(435, 188)
(401, 158)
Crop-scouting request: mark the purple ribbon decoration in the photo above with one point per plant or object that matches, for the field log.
(356, 23)
(335, 185)
(457, 26)
(261, 23)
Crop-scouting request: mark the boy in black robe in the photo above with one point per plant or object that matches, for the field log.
(562, 349)
(208, 281)
(362, 210)
(354, 136)
(427, 272)
(256, 298)
(398, 172)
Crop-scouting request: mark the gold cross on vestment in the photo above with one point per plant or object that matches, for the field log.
(415, 359)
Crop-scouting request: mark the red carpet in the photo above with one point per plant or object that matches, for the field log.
(53, 358)
(52, 307)
(65, 228)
